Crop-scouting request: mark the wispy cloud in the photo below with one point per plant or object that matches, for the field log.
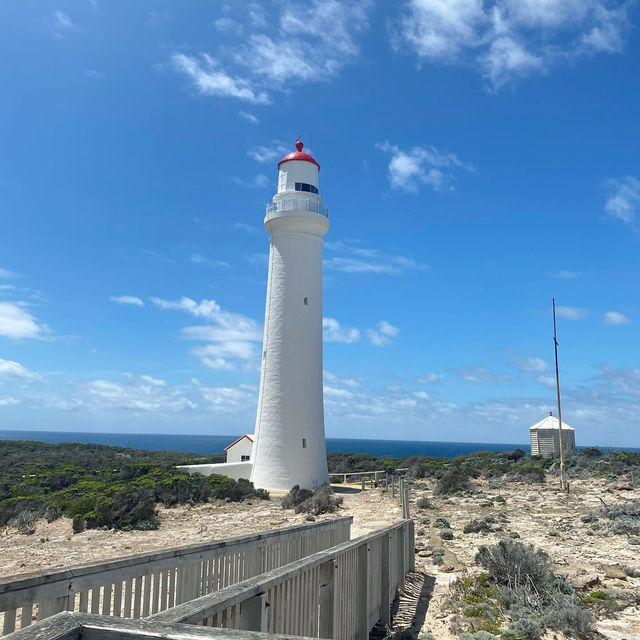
(572, 313)
(240, 399)
(410, 168)
(7, 274)
(383, 334)
(563, 274)
(8, 401)
(480, 375)
(249, 117)
(333, 331)
(196, 258)
(130, 300)
(260, 181)
(17, 323)
(231, 337)
(206, 75)
(623, 198)
(62, 20)
(137, 393)
(547, 381)
(241, 226)
(269, 154)
(616, 318)
(294, 43)
(531, 364)
(509, 40)
(12, 369)
(359, 260)
(429, 378)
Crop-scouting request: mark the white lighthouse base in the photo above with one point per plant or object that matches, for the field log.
(233, 470)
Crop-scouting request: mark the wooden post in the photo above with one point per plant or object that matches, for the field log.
(385, 605)
(412, 546)
(253, 614)
(326, 588)
(362, 593)
(393, 485)
(363, 483)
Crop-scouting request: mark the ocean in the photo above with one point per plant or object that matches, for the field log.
(215, 444)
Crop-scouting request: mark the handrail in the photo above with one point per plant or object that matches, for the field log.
(298, 204)
(141, 584)
(337, 593)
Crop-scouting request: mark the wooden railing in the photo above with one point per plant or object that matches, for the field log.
(338, 593)
(140, 585)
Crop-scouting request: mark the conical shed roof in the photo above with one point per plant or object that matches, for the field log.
(551, 422)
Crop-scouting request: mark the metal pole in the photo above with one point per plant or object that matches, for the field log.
(560, 439)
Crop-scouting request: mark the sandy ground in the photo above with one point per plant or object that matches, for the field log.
(55, 546)
(541, 515)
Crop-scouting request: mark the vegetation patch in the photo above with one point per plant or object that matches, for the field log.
(101, 486)
(322, 500)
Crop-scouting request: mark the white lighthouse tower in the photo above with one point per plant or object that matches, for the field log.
(289, 446)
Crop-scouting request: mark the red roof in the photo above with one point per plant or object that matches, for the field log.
(299, 155)
(233, 444)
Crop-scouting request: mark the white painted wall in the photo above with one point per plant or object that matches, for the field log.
(290, 404)
(235, 470)
(241, 448)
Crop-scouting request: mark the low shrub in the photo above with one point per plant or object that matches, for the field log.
(625, 518)
(322, 500)
(441, 523)
(78, 524)
(423, 503)
(25, 522)
(452, 482)
(446, 534)
(569, 618)
(515, 565)
(477, 526)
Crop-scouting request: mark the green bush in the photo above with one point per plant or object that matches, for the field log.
(515, 565)
(477, 526)
(322, 500)
(446, 534)
(441, 523)
(453, 481)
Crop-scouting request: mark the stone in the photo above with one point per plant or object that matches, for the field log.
(446, 568)
(587, 581)
(425, 553)
(614, 571)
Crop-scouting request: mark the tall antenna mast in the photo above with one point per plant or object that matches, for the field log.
(563, 482)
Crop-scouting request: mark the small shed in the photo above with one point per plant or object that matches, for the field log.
(545, 437)
(240, 450)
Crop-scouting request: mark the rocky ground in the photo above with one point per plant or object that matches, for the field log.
(539, 514)
(544, 517)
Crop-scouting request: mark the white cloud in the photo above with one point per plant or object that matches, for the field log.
(130, 300)
(333, 331)
(421, 165)
(240, 399)
(383, 335)
(623, 199)
(336, 392)
(563, 274)
(359, 260)
(210, 80)
(429, 378)
(571, 313)
(532, 364)
(547, 381)
(480, 375)
(63, 21)
(241, 226)
(260, 181)
(231, 335)
(196, 258)
(508, 39)
(12, 369)
(249, 117)
(8, 401)
(142, 393)
(616, 318)
(16, 322)
(269, 154)
(269, 51)
(6, 274)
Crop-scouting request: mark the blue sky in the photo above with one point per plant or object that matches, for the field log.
(478, 158)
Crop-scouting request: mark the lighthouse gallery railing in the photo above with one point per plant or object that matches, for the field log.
(298, 204)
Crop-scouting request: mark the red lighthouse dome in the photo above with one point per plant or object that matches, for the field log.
(298, 155)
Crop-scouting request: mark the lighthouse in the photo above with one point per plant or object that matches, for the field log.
(289, 446)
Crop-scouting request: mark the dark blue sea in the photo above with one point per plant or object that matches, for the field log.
(216, 444)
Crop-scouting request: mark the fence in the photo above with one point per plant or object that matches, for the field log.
(337, 593)
(144, 584)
